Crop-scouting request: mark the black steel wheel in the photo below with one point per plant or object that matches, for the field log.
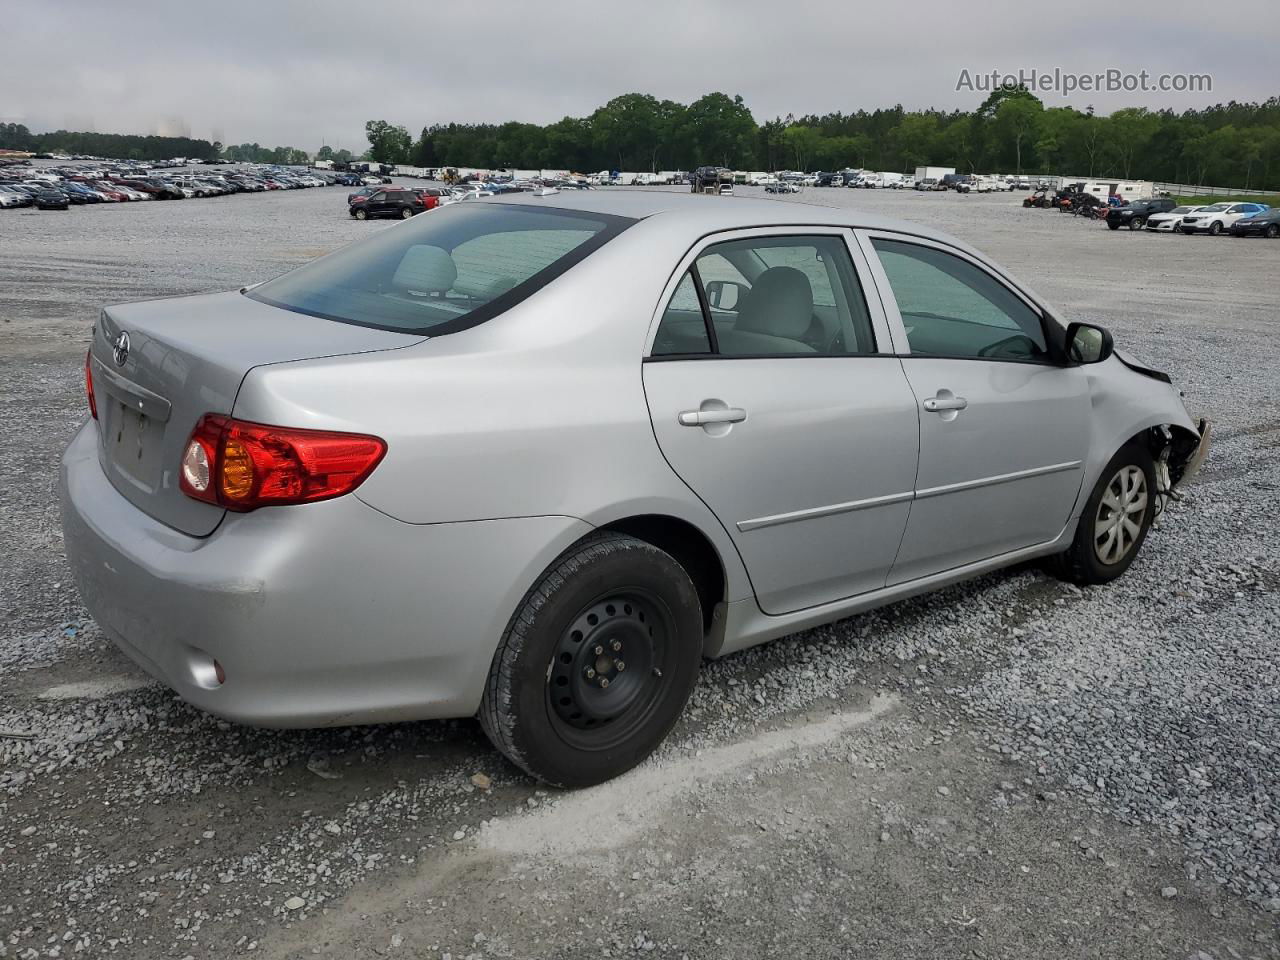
(596, 664)
(605, 673)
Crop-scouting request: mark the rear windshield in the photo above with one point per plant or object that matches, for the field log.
(445, 270)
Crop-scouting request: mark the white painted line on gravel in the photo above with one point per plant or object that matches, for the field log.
(632, 802)
(95, 689)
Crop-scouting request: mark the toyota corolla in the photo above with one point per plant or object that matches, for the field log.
(533, 458)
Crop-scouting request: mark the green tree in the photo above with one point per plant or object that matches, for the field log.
(912, 142)
(723, 130)
(1017, 119)
(627, 129)
(387, 143)
(804, 143)
(1126, 133)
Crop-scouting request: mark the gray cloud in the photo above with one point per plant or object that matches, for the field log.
(303, 72)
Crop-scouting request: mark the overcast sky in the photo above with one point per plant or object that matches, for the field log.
(306, 72)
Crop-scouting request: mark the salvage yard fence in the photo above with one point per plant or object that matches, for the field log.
(1196, 190)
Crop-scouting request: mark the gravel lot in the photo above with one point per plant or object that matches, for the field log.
(1010, 768)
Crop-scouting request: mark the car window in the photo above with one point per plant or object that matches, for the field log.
(443, 273)
(683, 329)
(378, 196)
(951, 308)
(770, 296)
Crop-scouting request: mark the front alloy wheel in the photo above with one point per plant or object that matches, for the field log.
(1118, 523)
(1114, 521)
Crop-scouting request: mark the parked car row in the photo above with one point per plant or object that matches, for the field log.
(404, 202)
(1165, 215)
(62, 188)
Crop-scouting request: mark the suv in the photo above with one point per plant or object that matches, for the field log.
(1134, 215)
(1218, 217)
(389, 203)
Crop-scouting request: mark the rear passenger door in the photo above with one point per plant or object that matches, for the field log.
(775, 395)
(1004, 427)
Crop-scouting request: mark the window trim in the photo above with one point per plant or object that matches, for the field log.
(1052, 331)
(701, 292)
(881, 330)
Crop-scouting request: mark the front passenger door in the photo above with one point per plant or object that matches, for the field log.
(1004, 428)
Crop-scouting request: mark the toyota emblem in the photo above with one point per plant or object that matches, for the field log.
(120, 349)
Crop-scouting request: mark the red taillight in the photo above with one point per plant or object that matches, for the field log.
(88, 384)
(243, 466)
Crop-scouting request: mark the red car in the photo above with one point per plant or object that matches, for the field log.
(430, 196)
(107, 190)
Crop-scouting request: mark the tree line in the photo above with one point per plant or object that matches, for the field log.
(118, 146)
(1232, 144)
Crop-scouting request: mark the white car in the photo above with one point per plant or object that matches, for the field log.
(1171, 220)
(1214, 219)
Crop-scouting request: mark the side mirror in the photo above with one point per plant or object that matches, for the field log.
(1088, 343)
(725, 294)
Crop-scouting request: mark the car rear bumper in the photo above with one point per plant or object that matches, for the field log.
(329, 613)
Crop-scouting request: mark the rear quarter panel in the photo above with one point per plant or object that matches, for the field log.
(537, 412)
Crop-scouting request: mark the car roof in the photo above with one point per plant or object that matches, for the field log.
(711, 213)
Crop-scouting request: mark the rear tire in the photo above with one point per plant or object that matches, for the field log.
(1113, 225)
(1137, 223)
(1273, 231)
(596, 664)
(406, 213)
(1114, 522)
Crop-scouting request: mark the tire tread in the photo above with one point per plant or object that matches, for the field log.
(496, 718)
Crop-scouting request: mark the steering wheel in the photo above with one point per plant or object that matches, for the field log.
(815, 337)
(992, 349)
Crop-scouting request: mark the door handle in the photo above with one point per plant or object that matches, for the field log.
(940, 404)
(698, 418)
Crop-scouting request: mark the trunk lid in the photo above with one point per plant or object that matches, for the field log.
(185, 357)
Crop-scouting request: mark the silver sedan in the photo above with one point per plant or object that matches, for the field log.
(532, 458)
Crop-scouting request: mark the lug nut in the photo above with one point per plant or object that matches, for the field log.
(604, 682)
(619, 665)
(617, 645)
(590, 673)
(599, 649)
